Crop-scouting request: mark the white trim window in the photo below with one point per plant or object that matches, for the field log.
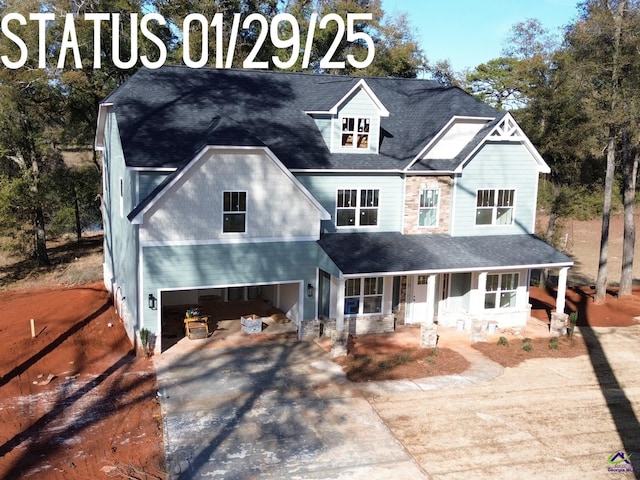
(429, 206)
(501, 290)
(354, 132)
(363, 296)
(357, 208)
(495, 207)
(234, 212)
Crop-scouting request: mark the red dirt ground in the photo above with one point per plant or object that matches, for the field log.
(98, 415)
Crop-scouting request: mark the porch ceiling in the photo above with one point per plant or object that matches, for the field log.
(387, 252)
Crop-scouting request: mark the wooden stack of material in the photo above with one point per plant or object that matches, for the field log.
(196, 327)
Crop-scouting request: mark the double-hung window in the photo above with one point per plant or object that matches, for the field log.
(357, 208)
(363, 295)
(234, 212)
(501, 290)
(428, 214)
(495, 207)
(355, 132)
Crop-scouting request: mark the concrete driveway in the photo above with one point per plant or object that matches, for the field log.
(278, 410)
(286, 411)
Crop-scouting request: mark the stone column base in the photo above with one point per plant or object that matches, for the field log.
(559, 324)
(339, 341)
(478, 331)
(428, 335)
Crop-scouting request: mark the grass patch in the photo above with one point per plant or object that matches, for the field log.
(503, 341)
(403, 358)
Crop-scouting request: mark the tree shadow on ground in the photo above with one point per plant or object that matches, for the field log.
(88, 406)
(19, 369)
(620, 407)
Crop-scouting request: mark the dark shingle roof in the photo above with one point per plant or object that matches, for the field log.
(165, 115)
(387, 252)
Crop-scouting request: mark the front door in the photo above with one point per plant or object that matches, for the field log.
(419, 301)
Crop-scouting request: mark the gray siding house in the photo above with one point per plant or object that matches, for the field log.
(361, 203)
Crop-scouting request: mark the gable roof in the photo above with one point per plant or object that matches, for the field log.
(393, 252)
(361, 85)
(165, 115)
(138, 213)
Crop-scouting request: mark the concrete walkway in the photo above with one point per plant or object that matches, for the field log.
(482, 370)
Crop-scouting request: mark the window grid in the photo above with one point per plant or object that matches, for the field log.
(428, 210)
(352, 296)
(363, 296)
(495, 207)
(501, 290)
(357, 207)
(355, 132)
(234, 211)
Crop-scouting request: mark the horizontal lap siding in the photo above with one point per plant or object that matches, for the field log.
(195, 266)
(497, 166)
(120, 255)
(324, 123)
(325, 188)
(147, 182)
(359, 105)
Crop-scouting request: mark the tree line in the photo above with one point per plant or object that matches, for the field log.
(576, 96)
(46, 112)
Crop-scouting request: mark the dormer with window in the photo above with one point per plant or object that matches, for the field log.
(352, 125)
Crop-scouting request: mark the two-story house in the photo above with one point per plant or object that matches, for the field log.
(360, 201)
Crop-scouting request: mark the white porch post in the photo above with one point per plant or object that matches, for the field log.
(431, 295)
(482, 288)
(562, 290)
(340, 309)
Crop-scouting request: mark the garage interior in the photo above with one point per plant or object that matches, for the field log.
(276, 305)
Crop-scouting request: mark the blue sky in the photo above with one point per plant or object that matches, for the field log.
(470, 32)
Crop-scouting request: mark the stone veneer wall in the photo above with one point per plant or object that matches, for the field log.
(361, 324)
(413, 186)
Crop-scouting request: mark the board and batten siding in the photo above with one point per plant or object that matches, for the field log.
(191, 209)
(120, 253)
(325, 189)
(496, 166)
(235, 264)
(358, 105)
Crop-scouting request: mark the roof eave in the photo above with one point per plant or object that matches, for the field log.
(98, 142)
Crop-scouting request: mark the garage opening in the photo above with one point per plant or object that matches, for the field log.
(277, 305)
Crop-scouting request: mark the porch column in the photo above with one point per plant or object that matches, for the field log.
(482, 288)
(431, 295)
(562, 290)
(340, 309)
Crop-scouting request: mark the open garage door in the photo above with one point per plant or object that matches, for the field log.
(279, 305)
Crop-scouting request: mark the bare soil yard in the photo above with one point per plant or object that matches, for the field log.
(76, 402)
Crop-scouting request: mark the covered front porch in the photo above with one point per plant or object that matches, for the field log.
(390, 278)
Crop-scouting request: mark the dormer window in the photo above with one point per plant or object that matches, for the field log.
(355, 132)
